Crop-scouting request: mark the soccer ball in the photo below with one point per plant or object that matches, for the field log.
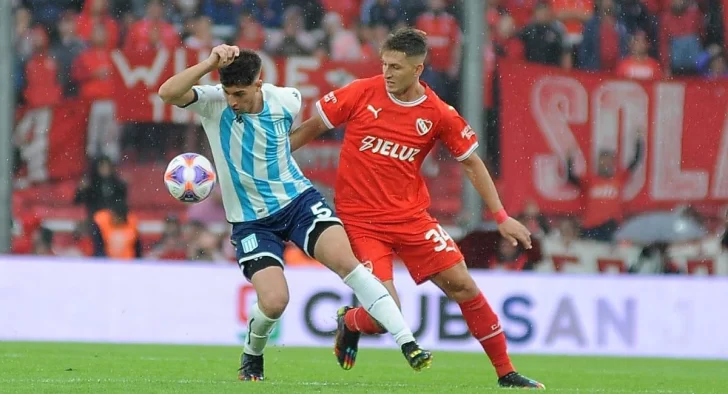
(190, 177)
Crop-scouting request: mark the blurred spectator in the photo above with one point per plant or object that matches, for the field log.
(206, 247)
(115, 233)
(339, 43)
(444, 40)
(222, 12)
(717, 65)
(520, 10)
(312, 10)
(95, 13)
(505, 38)
(25, 225)
(268, 12)
(543, 39)
(251, 34)
(681, 38)
(387, 9)
(172, 245)
(603, 192)
(568, 232)
(41, 74)
(605, 40)
(65, 51)
(101, 188)
(508, 257)
(347, 9)
(639, 65)
(43, 242)
(535, 221)
(47, 12)
(82, 245)
(93, 72)
(636, 16)
(573, 14)
(385, 13)
(202, 38)
(152, 30)
(292, 40)
(23, 38)
(209, 211)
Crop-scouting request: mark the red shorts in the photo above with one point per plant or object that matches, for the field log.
(423, 245)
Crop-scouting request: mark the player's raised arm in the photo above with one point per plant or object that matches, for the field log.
(177, 90)
(307, 132)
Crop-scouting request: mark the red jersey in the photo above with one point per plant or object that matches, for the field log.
(385, 143)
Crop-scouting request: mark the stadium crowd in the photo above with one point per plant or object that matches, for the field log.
(74, 39)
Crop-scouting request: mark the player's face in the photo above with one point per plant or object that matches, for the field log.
(400, 72)
(242, 99)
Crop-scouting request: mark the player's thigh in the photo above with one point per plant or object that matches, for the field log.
(320, 233)
(426, 249)
(311, 216)
(373, 252)
(259, 254)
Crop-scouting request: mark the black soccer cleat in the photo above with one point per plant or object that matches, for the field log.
(516, 380)
(346, 344)
(417, 357)
(251, 369)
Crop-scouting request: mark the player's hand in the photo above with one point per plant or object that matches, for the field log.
(223, 55)
(515, 232)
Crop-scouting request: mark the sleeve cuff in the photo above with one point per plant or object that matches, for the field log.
(194, 100)
(323, 115)
(468, 153)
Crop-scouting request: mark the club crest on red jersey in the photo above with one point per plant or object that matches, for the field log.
(423, 126)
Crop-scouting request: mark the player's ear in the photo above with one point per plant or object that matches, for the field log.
(419, 69)
(258, 84)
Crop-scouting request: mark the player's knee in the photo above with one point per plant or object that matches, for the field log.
(460, 290)
(273, 304)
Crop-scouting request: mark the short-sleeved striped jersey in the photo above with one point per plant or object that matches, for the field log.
(252, 154)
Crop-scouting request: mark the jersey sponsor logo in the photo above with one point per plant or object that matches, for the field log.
(606, 191)
(374, 111)
(423, 126)
(388, 148)
(467, 132)
(330, 97)
(249, 243)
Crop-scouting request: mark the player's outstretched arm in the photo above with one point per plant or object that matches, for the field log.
(510, 228)
(178, 89)
(307, 132)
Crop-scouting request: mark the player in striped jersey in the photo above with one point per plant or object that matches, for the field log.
(268, 200)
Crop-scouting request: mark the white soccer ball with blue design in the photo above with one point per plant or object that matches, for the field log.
(190, 177)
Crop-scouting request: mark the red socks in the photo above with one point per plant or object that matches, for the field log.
(484, 326)
(481, 320)
(358, 319)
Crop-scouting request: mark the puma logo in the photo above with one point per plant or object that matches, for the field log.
(374, 111)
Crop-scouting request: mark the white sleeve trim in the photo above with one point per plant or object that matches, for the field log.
(468, 153)
(323, 115)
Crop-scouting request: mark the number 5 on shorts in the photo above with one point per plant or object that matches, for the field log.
(320, 211)
(441, 238)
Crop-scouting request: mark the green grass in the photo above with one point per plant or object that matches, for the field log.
(95, 368)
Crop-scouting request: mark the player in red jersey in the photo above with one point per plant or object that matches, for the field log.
(392, 122)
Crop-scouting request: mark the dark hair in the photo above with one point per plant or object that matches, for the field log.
(410, 41)
(243, 70)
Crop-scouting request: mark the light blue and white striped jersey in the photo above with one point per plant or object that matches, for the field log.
(256, 171)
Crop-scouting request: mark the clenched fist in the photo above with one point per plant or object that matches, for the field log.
(223, 55)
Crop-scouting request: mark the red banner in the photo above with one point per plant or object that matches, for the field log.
(139, 76)
(548, 114)
(52, 141)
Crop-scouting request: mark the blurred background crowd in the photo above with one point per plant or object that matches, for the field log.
(65, 50)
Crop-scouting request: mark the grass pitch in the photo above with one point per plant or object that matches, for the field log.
(95, 368)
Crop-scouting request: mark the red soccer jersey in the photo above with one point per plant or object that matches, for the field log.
(385, 143)
(603, 198)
